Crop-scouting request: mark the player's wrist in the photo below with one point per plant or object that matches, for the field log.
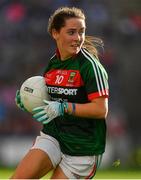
(69, 108)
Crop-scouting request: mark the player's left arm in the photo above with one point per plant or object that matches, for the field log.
(97, 108)
(95, 79)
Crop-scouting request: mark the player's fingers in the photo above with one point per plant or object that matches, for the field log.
(42, 118)
(47, 121)
(37, 109)
(39, 114)
(17, 98)
(47, 102)
(18, 92)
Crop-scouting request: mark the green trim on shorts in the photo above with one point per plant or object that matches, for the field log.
(98, 160)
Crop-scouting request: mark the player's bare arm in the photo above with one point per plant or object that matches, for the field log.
(97, 108)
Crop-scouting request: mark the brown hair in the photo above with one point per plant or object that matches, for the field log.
(57, 21)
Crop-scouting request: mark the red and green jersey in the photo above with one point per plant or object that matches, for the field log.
(79, 79)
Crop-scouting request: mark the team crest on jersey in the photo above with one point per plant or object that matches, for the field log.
(71, 77)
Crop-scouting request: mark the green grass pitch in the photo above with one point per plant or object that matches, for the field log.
(101, 174)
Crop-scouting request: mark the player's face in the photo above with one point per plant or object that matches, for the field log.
(70, 38)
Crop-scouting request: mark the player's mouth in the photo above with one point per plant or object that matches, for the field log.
(75, 45)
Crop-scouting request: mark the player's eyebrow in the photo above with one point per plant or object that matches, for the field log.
(74, 29)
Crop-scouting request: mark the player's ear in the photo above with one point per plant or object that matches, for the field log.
(55, 34)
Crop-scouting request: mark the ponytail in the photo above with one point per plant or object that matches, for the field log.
(91, 43)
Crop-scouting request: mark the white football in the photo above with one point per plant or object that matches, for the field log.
(33, 91)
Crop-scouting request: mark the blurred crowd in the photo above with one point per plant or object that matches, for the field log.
(25, 48)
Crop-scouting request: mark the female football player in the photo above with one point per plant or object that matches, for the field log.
(72, 140)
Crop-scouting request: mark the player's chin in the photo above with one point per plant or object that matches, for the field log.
(75, 51)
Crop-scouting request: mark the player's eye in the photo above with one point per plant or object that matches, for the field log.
(81, 32)
(71, 32)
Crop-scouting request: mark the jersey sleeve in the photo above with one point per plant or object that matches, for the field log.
(95, 79)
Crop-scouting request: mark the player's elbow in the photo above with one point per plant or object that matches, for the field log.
(100, 107)
(103, 112)
(104, 109)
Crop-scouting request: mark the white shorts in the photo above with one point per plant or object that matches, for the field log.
(74, 167)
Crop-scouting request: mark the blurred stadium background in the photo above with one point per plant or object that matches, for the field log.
(25, 48)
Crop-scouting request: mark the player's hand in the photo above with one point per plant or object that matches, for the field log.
(49, 111)
(18, 101)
